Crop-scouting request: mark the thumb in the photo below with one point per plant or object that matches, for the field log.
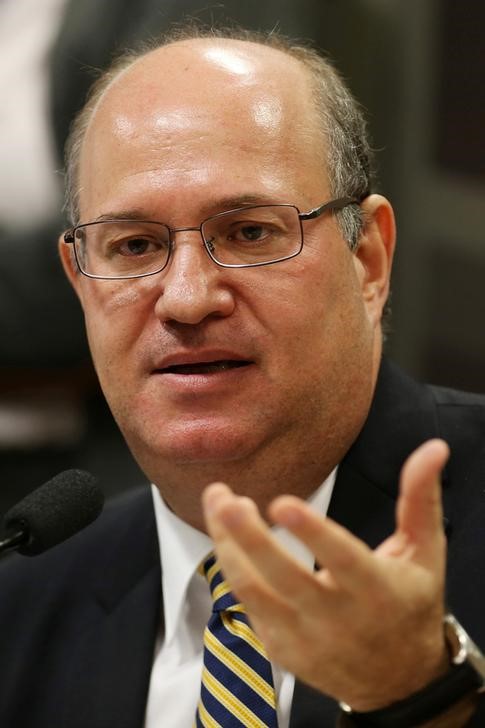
(419, 508)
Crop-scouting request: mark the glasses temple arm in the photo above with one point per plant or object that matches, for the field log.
(328, 206)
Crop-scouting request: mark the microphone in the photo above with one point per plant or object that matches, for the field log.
(52, 513)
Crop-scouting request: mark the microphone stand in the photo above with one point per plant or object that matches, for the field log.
(13, 541)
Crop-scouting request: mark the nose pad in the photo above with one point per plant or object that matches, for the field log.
(190, 246)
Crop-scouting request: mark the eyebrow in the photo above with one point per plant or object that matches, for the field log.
(135, 214)
(220, 205)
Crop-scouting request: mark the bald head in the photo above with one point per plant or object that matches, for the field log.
(247, 77)
(180, 104)
(197, 65)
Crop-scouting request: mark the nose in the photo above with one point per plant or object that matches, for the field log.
(192, 286)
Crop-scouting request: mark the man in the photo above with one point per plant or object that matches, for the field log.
(233, 266)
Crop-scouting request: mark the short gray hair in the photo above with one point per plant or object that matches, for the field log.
(349, 157)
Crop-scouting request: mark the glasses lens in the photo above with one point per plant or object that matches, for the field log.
(122, 249)
(253, 235)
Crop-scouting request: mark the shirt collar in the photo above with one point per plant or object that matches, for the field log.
(183, 548)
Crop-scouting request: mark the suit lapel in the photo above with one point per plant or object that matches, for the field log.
(112, 650)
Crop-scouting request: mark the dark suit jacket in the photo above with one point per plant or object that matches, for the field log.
(78, 624)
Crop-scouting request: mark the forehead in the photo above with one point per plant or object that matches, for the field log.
(188, 70)
(192, 107)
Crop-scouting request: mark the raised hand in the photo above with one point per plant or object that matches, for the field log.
(367, 627)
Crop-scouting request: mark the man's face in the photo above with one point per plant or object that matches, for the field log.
(192, 130)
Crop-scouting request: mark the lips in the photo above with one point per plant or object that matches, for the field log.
(202, 362)
(204, 367)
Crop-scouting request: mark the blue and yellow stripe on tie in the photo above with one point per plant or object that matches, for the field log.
(237, 689)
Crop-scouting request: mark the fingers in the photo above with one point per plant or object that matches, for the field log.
(240, 534)
(248, 552)
(391, 597)
(347, 558)
(419, 510)
(253, 557)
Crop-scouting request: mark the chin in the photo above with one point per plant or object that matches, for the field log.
(194, 446)
(203, 451)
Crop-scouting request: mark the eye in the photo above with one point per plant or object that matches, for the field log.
(137, 246)
(249, 232)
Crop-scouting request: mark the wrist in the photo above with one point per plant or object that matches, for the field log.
(465, 676)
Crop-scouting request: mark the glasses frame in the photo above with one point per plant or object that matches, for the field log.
(331, 206)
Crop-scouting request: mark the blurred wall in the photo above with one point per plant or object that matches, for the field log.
(437, 184)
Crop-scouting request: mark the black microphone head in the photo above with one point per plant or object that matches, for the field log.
(56, 510)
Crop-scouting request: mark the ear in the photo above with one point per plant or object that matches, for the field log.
(375, 253)
(66, 254)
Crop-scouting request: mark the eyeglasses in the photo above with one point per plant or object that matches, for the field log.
(246, 237)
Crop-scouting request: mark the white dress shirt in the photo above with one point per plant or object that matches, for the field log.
(176, 673)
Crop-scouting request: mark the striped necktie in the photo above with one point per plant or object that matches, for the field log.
(237, 683)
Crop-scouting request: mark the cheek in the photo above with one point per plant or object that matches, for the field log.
(299, 310)
(334, 325)
(326, 288)
(113, 313)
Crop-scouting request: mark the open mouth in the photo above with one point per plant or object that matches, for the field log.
(206, 367)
